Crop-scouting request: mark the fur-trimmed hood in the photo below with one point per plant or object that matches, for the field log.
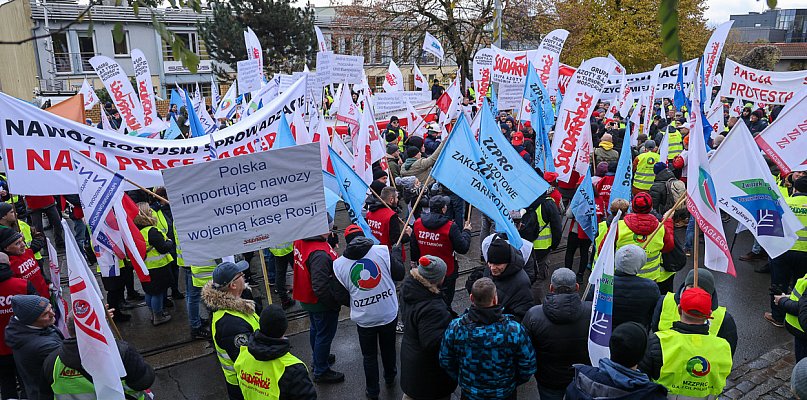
(426, 284)
(218, 300)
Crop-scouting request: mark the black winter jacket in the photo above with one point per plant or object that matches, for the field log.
(559, 331)
(459, 237)
(139, 374)
(512, 286)
(635, 299)
(728, 329)
(330, 293)
(295, 384)
(549, 212)
(658, 192)
(426, 317)
(31, 346)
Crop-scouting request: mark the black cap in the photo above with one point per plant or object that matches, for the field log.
(436, 203)
(628, 343)
(412, 151)
(273, 322)
(499, 252)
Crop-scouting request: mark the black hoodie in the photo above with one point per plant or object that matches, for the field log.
(295, 382)
(512, 286)
(139, 374)
(460, 238)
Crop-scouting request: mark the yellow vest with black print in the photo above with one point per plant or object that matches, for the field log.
(644, 176)
(258, 380)
(25, 230)
(694, 366)
(798, 204)
(70, 384)
(544, 240)
(224, 358)
(669, 314)
(652, 269)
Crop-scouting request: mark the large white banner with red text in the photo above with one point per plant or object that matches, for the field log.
(785, 140)
(120, 90)
(757, 86)
(547, 59)
(36, 145)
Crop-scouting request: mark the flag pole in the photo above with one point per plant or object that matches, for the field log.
(266, 277)
(423, 120)
(420, 195)
(696, 254)
(470, 210)
(135, 184)
(667, 215)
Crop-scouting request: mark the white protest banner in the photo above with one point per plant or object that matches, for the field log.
(249, 76)
(546, 60)
(432, 45)
(574, 112)
(483, 68)
(339, 68)
(711, 54)
(758, 86)
(785, 139)
(36, 145)
(651, 98)
(242, 204)
(146, 90)
(420, 79)
(393, 80)
(394, 101)
(287, 80)
(90, 99)
(509, 71)
(665, 86)
(120, 90)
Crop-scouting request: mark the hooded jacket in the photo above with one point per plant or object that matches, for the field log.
(645, 224)
(139, 374)
(488, 352)
(31, 346)
(612, 381)
(374, 204)
(231, 332)
(549, 213)
(658, 191)
(460, 238)
(512, 286)
(422, 166)
(295, 384)
(331, 295)
(559, 331)
(605, 152)
(426, 317)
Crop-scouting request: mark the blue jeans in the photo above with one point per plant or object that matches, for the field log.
(155, 302)
(80, 232)
(193, 296)
(690, 233)
(323, 330)
(270, 265)
(551, 394)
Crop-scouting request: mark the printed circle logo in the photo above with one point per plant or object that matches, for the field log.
(81, 308)
(698, 367)
(706, 187)
(365, 274)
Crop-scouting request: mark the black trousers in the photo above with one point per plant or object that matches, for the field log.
(282, 265)
(55, 220)
(371, 340)
(8, 377)
(448, 288)
(572, 244)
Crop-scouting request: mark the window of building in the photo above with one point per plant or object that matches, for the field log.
(395, 53)
(122, 47)
(86, 48)
(348, 48)
(61, 52)
(190, 88)
(366, 49)
(191, 43)
(379, 49)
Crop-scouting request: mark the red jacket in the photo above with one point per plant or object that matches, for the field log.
(39, 202)
(645, 224)
(26, 267)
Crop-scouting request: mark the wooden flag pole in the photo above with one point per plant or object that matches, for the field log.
(696, 254)
(266, 277)
(667, 215)
(420, 195)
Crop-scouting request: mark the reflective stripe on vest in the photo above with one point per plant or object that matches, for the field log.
(669, 314)
(224, 358)
(644, 176)
(795, 295)
(281, 250)
(258, 380)
(676, 144)
(693, 365)
(201, 275)
(153, 257)
(798, 204)
(544, 239)
(70, 384)
(651, 270)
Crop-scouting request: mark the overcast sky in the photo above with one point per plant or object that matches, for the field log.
(719, 10)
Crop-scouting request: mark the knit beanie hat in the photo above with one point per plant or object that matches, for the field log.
(27, 308)
(8, 236)
(799, 184)
(706, 280)
(378, 173)
(628, 342)
(499, 252)
(650, 144)
(660, 166)
(415, 141)
(602, 169)
(5, 208)
(273, 322)
(630, 259)
(412, 151)
(642, 203)
(432, 268)
(392, 148)
(798, 379)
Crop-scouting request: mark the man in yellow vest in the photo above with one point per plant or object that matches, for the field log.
(722, 323)
(792, 264)
(686, 359)
(796, 311)
(65, 378)
(637, 228)
(283, 260)
(265, 368)
(541, 224)
(643, 164)
(234, 318)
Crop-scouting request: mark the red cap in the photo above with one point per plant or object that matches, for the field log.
(527, 124)
(517, 138)
(596, 114)
(351, 229)
(678, 162)
(550, 177)
(696, 303)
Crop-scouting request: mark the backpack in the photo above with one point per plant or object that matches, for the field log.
(674, 190)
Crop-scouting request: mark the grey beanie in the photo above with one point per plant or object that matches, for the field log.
(650, 144)
(432, 268)
(706, 280)
(798, 379)
(27, 308)
(630, 259)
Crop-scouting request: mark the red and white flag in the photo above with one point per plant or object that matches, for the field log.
(393, 80)
(416, 124)
(90, 98)
(420, 79)
(785, 139)
(322, 44)
(320, 135)
(347, 111)
(362, 162)
(341, 149)
(702, 200)
(56, 293)
(96, 345)
(125, 211)
(736, 107)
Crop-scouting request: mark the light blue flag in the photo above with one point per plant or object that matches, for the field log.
(515, 182)
(176, 98)
(284, 137)
(584, 208)
(540, 111)
(331, 192)
(624, 171)
(173, 131)
(458, 169)
(494, 101)
(353, 190)
(558, 102)
(197, 129)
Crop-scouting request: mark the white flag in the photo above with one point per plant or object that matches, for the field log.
(602, 315)
(323, 46)
(432, 45)
(420, 79)
(715, 117)
(215, 97)
(664, 148)
(96, 345)
(99, 189)
(362, 162)
(90, 99)
(341, 149)
(711, 56)
(736, 107)
(105, 124)
(227, 106)
(546, 60)
(254, 50)
(702, 200)
(347, 111)
(146, 91)
(651, 98)
(393, 80)
(748, 192)
(321, 135)
(785, 139)
(120, 90)
(635, 121)
(56, 293)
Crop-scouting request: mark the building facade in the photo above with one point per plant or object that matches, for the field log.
(773, 26)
